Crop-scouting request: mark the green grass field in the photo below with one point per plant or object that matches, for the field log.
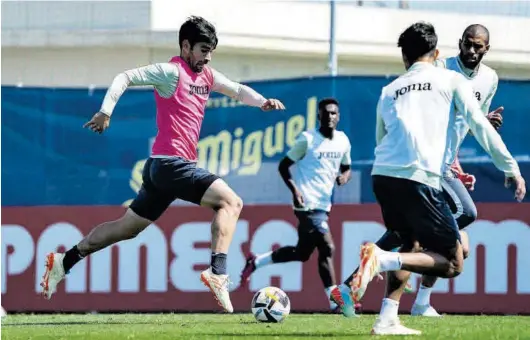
(243, 326)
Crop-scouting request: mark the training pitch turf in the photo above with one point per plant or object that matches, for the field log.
(243, 326)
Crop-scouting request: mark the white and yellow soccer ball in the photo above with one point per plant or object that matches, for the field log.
(270, 304)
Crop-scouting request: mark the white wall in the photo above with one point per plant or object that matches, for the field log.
(57, 44)
(62, 67)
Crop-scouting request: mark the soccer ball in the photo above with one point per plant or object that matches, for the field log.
(270, 304)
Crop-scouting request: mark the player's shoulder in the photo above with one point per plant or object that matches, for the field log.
(489, 72)
(446, 63)
(342, 136)
(165, 68)
(307, 135)
(447, 76)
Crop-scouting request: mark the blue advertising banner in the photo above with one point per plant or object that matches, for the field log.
(49, 159)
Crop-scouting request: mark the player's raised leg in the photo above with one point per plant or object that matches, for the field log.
(58, 265)
(148, 205)
(227, 206)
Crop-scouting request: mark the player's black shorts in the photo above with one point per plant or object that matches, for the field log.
(417, 212)
(168, 179)
(313, 231)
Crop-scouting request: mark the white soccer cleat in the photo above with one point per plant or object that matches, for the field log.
(53, 275)
(424, 310)
(368, 269)
(392, 327)
(3, 312)
(218, 285)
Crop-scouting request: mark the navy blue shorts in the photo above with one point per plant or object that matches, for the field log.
(417, 212)
(313, 232)
(312, 221)
(459, 199)
(168, 179)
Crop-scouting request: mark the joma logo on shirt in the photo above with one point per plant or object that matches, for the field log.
(330, 155)
(412, 87)
(477, 95)
(199, 89)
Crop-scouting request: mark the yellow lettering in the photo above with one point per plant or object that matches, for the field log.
(236, 148)
(208, 150)
(270, 147)
(295, 126)
(136, 175)
(311, 119)
(252, 154)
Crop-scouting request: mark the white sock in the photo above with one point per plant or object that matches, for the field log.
(423, 298)
(332, 305)
(389, 261)
(389, 310)
(263, 260)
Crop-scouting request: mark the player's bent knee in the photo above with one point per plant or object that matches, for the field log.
(233, 205)
(469, 216)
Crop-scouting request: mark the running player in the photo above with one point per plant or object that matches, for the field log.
(318, 156)
(416, 115)
(182, 87)
(474, 45)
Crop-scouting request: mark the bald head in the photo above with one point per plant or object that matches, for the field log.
(477, 30)
(475, 43)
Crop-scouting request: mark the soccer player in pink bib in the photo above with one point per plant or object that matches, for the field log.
(182, 87)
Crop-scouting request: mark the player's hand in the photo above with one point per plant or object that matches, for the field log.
(99, 123)
(342, 179)
(272, 104)
(298, 199)
(495, 117)
(520, 186)
(468, 181)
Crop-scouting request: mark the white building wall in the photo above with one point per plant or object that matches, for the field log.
(80, 67)
(88, 43)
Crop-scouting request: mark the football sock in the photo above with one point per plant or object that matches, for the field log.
(263, 260)
(218, 263)
(424, 296)
(332, 305)
(389, 309)
(389, 261)
(71, 257)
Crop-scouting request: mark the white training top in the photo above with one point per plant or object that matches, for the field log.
(414, 115)
(484, 83)
(164, 77)
(318, 161)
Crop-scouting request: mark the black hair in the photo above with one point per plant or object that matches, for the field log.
(196, 30)
(477, 29)
(326, 101)
(418, 40)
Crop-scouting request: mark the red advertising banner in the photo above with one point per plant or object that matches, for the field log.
(159, 270)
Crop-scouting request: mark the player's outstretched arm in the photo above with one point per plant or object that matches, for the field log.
(487, 137)
(163, 76)
(243, 93)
